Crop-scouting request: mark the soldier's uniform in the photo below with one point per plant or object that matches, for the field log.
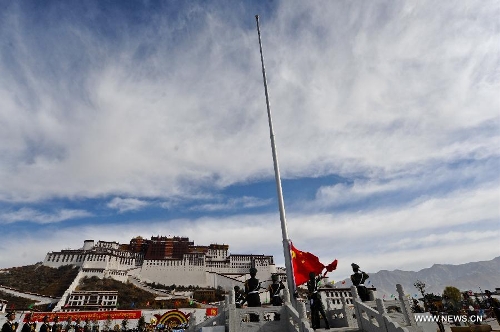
(10, 325)
(358, 279)
(77, 326)
(315, 302)
(56, 327)
(29, 326)
(45, 326)
(239, 298)
(274, 293)
(86, 327)
(252, 286)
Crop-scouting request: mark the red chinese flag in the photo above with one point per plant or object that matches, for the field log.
(332, 266)
(211, 311)
(303, 263)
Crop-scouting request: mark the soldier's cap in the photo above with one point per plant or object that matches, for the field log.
(10, 313)
(45, 317)
(355, 266)
(274, 277)
(236, 287)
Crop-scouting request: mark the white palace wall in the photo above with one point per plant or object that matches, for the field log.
(57, 259)
(170, 272)
(213, 269)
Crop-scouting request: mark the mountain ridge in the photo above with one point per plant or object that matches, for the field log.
(476, 276)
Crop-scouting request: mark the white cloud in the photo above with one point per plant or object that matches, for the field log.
(398, 97)
(39, 217)
(365, 89)
(435, 239)
(127, 204)
(244, 202)
(424, 234)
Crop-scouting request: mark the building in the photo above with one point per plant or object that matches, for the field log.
(91, 301)
(332, 297)
(163, 260)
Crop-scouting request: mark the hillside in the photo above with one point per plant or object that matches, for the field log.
(48, 281)
(19, 303)
(39, 279)
(475, 276)
(129, 296)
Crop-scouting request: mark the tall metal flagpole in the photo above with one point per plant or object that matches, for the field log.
(286, 241)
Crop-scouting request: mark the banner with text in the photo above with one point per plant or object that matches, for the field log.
(90, 315)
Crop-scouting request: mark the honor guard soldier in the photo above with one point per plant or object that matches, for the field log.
(315, 302)
(239, 298)
(87, 327)
(10, 325)
(29, 325)
(252, 286)
(78, 327)
(69, 327)
(56, 327)
(274, 293)
(358, 279)
(45, 326)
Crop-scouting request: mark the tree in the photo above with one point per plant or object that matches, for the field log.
(421, 287)
(453, 298)
(415, 307)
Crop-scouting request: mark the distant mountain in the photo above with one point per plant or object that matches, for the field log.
(475, 276)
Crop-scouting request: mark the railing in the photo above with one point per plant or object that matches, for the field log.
(341, 317)
(238, 319)
(372, 316)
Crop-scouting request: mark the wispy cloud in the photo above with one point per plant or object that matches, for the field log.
(127, 204)
(232, 204)
(437, 239)
(399, 100)
(347, 99)
(39, 217)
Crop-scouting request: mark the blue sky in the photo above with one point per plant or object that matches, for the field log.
(127, 118)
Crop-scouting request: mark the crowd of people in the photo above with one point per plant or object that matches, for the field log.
(30, 326)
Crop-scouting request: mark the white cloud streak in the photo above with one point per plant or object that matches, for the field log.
(397, 97)
(369, 88)
(39, 217)
(127, 204)
(412, 239)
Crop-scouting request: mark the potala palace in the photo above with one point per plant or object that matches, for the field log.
(163, 260)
